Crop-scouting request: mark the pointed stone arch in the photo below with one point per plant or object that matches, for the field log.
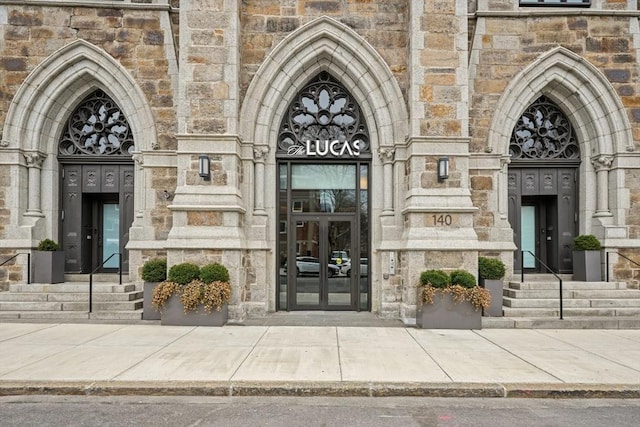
(34, 122)
(580, 89)
(324, 44)
(52, 89)
(598, 116)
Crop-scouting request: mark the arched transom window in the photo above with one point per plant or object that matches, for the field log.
(97, 127)
(543, 132)
(323, 111)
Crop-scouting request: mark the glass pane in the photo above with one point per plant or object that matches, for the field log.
(282, 240)
(339, 248)
(528, 235)
(110, 233)
(364, 237)
(323, 188)
(308, 284)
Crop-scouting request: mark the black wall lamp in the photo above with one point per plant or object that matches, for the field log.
(443, 168)
(204, 166)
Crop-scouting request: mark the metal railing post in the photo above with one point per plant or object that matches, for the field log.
(522, 267)
(560, 299)
(120, 268)
(28, 268)
(607, 266)
(90, 292)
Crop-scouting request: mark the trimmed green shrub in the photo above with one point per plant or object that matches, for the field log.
(463, 278)
(154, 270)
(184, 273)
(586, 242)
(48, 245)
(435, 278)
(490, 268)
(214, 273)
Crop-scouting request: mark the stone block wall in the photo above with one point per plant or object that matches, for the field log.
(383, 23)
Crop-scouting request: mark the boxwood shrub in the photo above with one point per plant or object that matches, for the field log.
(184, 273)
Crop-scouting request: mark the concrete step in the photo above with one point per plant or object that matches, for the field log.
(72, 287)
(566, 323)
(567, 285)
(117, 315)
(69, 306)
(571, 312)
(98, 277)
(44, 315)
(573, 303)
(554, 293)
(68, 296)
(72, 316)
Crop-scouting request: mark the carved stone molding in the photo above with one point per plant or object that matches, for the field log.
(34, 159)
(602, 162)
(260, 153)
(386, 154)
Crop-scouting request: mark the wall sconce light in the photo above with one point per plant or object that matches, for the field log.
(166, 195)
(443, 168)
(204, 166)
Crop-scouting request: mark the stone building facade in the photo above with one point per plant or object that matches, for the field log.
(323, 126)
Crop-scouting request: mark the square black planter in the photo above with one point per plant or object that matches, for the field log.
(587, 266)
(495, 289)
(444, 313)
(47, 267)
(149, 311)
(173, 314)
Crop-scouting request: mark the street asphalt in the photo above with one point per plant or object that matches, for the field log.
(236, 360)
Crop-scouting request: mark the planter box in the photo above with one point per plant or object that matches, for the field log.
(47, 267)
(149, 312)
(587, 266)
(445, 314)
(495, 289)
(173, 314)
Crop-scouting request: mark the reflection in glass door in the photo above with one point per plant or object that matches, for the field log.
(323, 248)
(110, 234)
(323, 237)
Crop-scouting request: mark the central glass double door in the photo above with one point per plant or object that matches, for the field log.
(327, 267)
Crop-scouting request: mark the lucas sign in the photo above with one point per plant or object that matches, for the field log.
(325, 148)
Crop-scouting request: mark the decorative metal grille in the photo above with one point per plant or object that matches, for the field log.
(322, 111)
(543, 132)
(97, 128)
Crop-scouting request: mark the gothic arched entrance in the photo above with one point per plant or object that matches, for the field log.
(324, 159)
(543, 188)
(97, 185)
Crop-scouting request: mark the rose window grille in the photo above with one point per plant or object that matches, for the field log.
(544, 132)
(97, 127)
(322, 111)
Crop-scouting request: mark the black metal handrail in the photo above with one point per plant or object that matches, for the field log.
(98, 268)
(28, 264)
(548, 269)
(619, 254)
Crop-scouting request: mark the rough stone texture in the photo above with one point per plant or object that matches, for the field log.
(383, 23)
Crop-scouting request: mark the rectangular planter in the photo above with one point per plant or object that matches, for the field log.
(173, 314)
(587, 266)
(149, 312)
(445, 314)
(47, 267)
(495, 289)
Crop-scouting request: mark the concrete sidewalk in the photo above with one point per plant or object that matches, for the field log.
(306, 360)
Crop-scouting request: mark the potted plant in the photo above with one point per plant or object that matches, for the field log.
(154, 271)
(491, 271)
(450, 301)
(194, 297)
(587, 264)
(48, 263)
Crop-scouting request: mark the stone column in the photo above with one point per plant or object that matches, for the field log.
(259, 157)
(34, 164)
(503, 190)
(602, 165)
(140, 185)
(387, 155)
